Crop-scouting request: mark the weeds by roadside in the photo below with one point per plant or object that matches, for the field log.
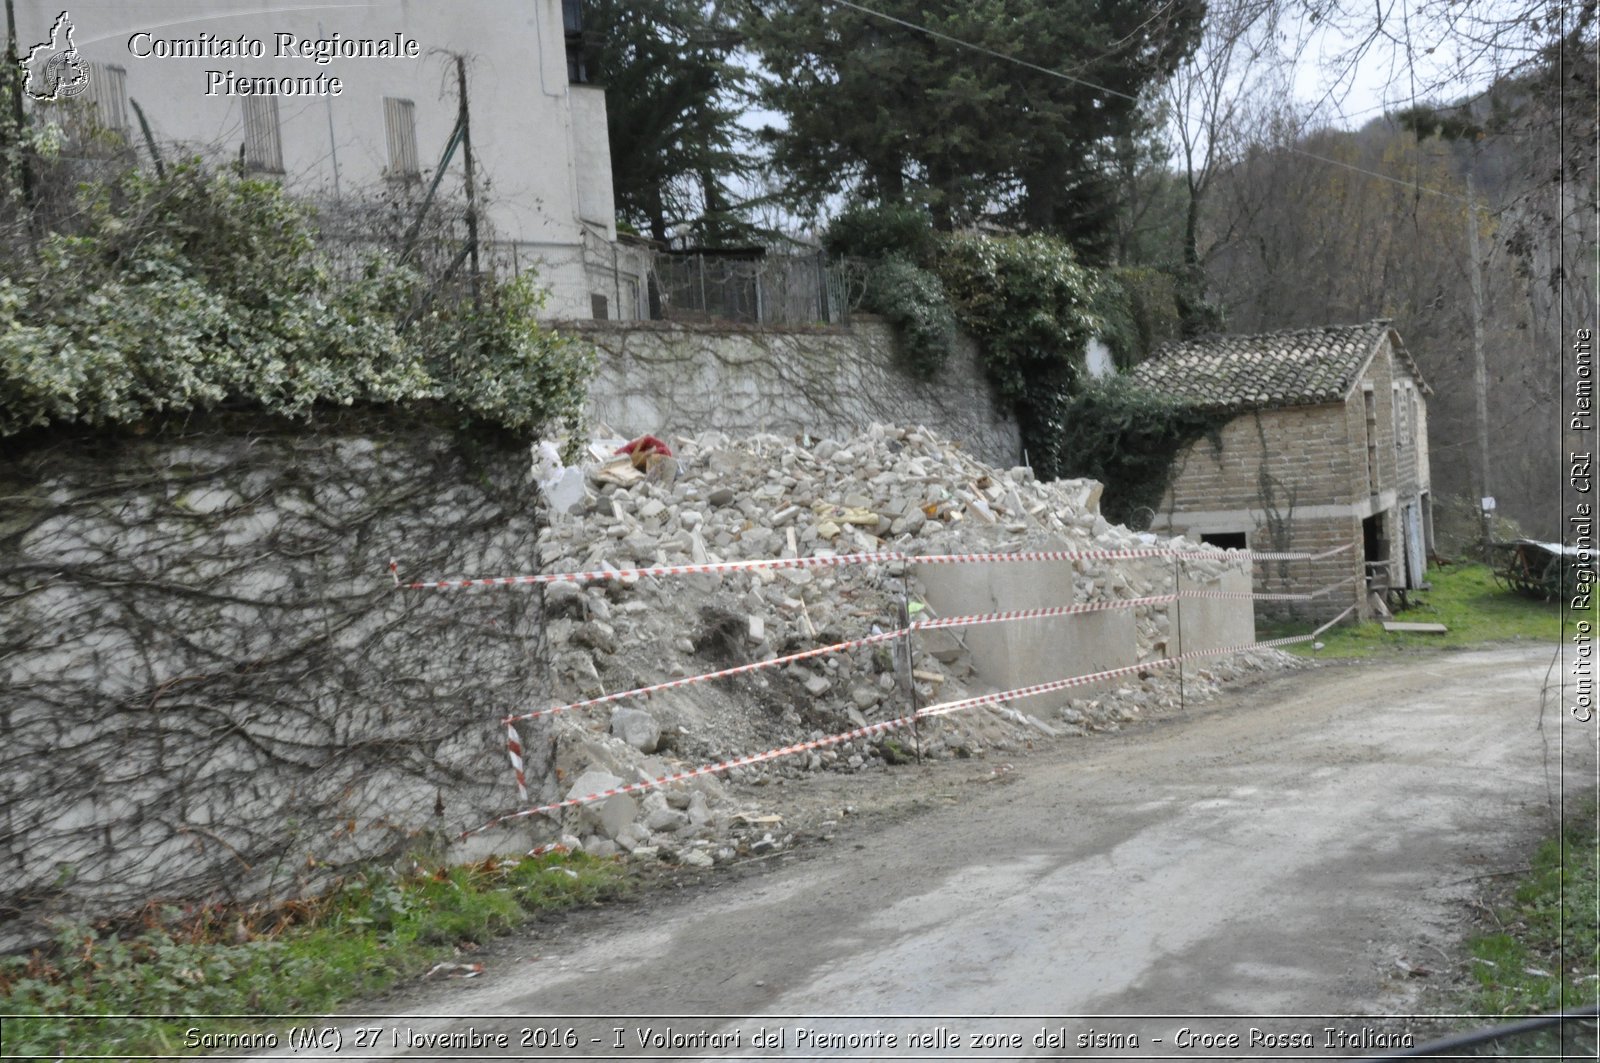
(306, 957)
(1542, 955)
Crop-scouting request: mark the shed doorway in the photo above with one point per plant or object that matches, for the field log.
(1376, 553)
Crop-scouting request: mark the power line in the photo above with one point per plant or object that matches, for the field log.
(1062, 75)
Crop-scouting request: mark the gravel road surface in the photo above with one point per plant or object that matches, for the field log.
(1300, 849)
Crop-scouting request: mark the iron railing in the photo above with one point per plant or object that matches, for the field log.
(755, 288)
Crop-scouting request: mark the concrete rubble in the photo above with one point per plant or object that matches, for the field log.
(724, 499)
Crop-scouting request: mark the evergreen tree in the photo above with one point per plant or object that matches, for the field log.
(902, 113)
(673, 100)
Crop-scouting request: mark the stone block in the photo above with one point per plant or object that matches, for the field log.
(637, 728)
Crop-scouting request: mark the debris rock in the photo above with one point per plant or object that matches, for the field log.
(637, 728)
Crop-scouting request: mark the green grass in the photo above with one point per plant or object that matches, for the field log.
(1464, 598)
(301, 958)
(1542, 956)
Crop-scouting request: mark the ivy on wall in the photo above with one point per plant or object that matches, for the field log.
(1032, 308)
(196, 290)
(1127, 437)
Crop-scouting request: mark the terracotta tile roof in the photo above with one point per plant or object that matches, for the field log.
(1295, 367)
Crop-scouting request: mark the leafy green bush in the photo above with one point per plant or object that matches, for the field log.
(913, 300)
(1032, 308)
(1027, 302)
(200, 290)
(882, 230)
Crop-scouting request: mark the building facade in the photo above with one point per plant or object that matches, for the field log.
(1328, 446)
(344, 102)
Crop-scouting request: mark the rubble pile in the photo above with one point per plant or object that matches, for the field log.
(710, 498)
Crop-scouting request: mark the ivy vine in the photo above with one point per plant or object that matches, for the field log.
(1127, 437)
(196, 290)
(1032, 308)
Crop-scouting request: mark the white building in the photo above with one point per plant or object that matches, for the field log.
(339, 98)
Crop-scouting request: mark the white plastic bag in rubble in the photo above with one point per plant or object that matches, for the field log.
(547, 467)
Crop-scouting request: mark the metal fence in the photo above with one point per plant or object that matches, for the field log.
(755, 289)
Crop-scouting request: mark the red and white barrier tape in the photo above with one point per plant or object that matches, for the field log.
(1019, 693)
(709, 769)
(671, 684)
(514, 748)
(933, 710)
(839, 647)
(718, 567)
(920, 625)
(1266, 597)
(709, 568)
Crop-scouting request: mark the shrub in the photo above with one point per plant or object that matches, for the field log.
(882, 230)
(1127, 437)
(199, 290)
(915, 303)
(1027, 302)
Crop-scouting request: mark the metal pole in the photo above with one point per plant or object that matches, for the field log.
(911, 657)
(466, 157)
(1177, 605)
(333, 143)
(25, 172)
(1479, 374)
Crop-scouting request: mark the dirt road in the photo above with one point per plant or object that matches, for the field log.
(1296, 849)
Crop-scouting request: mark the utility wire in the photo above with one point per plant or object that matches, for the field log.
(1062, 75)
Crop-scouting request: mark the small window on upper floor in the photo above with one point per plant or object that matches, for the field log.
(400, 130)
(263, 139)
(577, 52)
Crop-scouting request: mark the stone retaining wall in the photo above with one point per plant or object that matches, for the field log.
(671, 377)
(213, 690)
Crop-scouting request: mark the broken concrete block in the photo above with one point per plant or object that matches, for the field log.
(611, 815)
(666, 821)
(598, 635)
(637, 728)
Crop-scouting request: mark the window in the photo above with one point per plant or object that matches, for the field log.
(577, 57)
(599, 308)
(108, 93)
(263, 142)
(1371, 401)
(400, 127)
(1402, 415)
(1226, 540)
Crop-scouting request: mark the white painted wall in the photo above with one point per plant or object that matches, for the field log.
(1098, 360)
(540, 143)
